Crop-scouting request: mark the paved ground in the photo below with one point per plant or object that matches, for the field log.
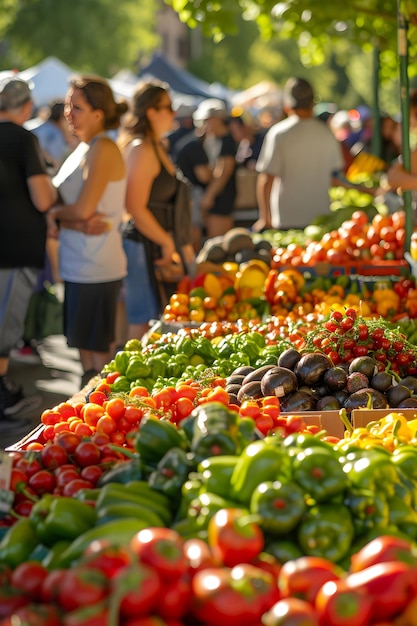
(55, 379)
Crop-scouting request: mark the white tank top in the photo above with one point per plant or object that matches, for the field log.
(91, 258)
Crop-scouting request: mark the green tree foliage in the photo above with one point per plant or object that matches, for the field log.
(312, 23)
(88, 35)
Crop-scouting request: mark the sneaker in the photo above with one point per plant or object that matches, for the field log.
(12, 400)
(25, 354)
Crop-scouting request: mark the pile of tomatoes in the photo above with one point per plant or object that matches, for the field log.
(345, 336)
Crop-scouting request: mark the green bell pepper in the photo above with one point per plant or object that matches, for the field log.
(59, 517)
(190, 489)
(171, 473)
(400, 512)
(319, 473)
(54, 553)
(122, 472)
(184, 345)
(326, 531)
(176, 364)
(280, 506)
(215, 432)
(284, 550)
(121, 361)
(18, 543)
(405, 458)
(205, 505)
(120, 384)
(158, 365)
(368, 509)
(204, 348)
(375, 472)
(216, 472)
(133, 345)
(155, 437)
(261, 461)
(137, 368)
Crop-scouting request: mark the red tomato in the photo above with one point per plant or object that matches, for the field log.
(115, 407)
(75, 485)
(338, 605)
(51, 585)
(42, 482)
(91, 413)
(291, 612)
(390, 585)
(176, 598)
(162, 549)
(96, 615)
(199, 554)
(236, 597)
(81, 586)
(130, 579)
(36, 615)
(69, 441)
(29, 577)
(107, 558)
(303, 577)
(53, 455)
(381, 549)
(87, 453)
(233, 537)
(91, 473)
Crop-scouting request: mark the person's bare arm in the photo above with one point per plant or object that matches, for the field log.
(223, 170)
(203, 173)
(399, 178)
(42, 193)
(263, 193)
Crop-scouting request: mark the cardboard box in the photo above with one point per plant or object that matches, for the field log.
(361, 417)
(325, 420)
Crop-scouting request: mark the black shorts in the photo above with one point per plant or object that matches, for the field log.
(90, 315)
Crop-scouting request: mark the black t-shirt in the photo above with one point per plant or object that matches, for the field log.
(190, 155)
(224, 202)
(22, 226)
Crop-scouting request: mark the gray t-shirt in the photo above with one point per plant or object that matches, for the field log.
(302, 154)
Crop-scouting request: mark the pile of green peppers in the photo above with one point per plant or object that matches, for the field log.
(176, 356)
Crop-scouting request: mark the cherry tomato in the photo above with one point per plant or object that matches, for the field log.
(42, 482)
(53, 455)
(29, 577)
(87, 453)
(115, 407)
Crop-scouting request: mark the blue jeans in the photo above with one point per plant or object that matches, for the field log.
(140, 299)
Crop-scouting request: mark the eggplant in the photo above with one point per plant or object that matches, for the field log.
(279, 381)
(328, 403)
(298, 401)
(356, 381)
(243, 370)
(365, 365)
(235, 379)
(249, 391)
(257, 374)
(341, 396)
(409, 381)
(311, 367)
(408, 403)
(397, 394)
(335, 378)
(382, 381)
(289, 358)
(365, 398)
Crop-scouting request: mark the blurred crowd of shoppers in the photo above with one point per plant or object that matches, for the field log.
(109, 207)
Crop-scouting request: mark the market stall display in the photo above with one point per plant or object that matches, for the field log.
(233, 448)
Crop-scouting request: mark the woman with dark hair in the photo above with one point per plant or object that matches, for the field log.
(92, 186)
(151, 190)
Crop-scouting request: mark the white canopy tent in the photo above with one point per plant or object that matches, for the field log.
(49, 80)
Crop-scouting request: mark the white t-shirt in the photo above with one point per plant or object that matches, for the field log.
(302, 154)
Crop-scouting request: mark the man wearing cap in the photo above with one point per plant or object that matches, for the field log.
(298, 162)
(26, 193)
(218, 201)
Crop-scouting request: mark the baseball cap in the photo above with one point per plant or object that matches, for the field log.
(211, 107)
(184, 107)
(13, 93)
(298, 94)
